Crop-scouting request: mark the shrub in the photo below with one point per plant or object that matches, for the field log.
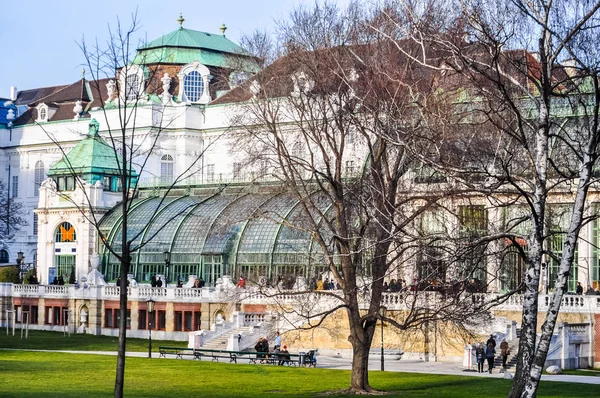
(10, 273)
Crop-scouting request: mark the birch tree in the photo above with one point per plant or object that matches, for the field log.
(532, 74)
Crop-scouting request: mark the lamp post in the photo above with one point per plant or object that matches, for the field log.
(150, 310)
(167, 255)
(20, 259)
(382, 311)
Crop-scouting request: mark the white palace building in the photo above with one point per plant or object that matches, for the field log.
(55, 155)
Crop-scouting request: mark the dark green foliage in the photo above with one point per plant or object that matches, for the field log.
(10, 274)
(30, 277)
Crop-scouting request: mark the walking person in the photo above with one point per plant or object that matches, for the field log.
(277, 340)
(504, 352)
(480, 356)
(491, 341)
(490, 352)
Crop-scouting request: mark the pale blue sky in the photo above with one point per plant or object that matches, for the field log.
(39, 38)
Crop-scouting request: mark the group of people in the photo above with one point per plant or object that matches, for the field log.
(488, 352)
(394, 285)
(326, 284)
(281, 355)
(590, 290)
(155, 281)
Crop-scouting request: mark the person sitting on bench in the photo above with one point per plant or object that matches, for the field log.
(284, 356)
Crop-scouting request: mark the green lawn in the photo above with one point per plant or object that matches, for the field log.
(36, 374)
(583, 372)
(40, 340)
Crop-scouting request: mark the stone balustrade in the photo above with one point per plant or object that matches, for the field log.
(392, 300)
(111, 292)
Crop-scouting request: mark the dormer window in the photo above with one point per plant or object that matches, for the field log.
(195, 78)
(132, 86)
(193, 86)
(131, 83)
(42, 113)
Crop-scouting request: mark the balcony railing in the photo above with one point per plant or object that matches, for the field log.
(392, 300)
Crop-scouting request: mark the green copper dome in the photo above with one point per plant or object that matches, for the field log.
(92, 159)
(183, 46)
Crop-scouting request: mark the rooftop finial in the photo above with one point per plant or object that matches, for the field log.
(94, 126)
(181, 20)
(83, 73)
(223, 28)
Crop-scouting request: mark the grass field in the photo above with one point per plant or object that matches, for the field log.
(583, 372)
(51, 374)
(54, 374)
(40, 340)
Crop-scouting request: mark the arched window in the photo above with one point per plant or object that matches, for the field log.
(193, 86)
(42, 113)
(3, 256)
(166, 169)
(195, 78)
(65, 233)
(39, 177)
(65, 250)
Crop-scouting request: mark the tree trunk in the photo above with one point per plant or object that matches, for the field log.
(361, 336)
(527, 342)
(120, 376)
(125, 264)
(360, 368)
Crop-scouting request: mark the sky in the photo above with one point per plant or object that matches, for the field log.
(39, 39)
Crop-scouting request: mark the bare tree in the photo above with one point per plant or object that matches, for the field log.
(136, 118)
(338, 122)
(11, 215)
(530, 77)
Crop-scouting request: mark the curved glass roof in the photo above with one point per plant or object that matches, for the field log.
(226, 228)
(261, 230)
(193, 230)
(244, 229)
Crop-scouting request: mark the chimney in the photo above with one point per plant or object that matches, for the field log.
(570, 66)
(13, 93)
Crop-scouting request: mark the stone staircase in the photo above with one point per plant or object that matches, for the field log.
(511, 361)
(220, 342)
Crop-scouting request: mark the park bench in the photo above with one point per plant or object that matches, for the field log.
(304, 359)
(179, 352)
(215, 355)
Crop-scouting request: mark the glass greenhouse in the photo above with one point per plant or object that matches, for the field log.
(248, 235)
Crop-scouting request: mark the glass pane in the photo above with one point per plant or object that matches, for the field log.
(193, 231)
